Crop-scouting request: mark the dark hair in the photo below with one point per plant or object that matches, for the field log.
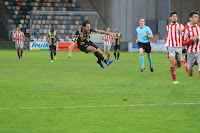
(172, 13)
(192, 13)
(17, 26)
(142, 18)
(85, 22)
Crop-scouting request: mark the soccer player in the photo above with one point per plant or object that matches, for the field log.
(174, 43)
(118, 38)
(19, 41)
(107, 43)
(82, 36)
(143, 35)
(191, 34)
(52, 36)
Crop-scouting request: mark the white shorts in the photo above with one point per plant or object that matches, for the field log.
(107, 48)
(191, 58)
(18, 46)
(175, 51)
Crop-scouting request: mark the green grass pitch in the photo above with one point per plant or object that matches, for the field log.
(79, 81)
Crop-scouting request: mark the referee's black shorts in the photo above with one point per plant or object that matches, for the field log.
(146, 47)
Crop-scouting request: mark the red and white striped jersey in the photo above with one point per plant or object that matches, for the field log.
(188, 33)
(19, 37)
(108, 38)
(174, 37)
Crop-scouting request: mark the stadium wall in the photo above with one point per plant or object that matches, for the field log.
(7, 45)
(184, 7)
(125, 14)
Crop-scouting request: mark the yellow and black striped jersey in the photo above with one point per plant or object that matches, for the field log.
(118, 36)
(53, 37)
(82, 37)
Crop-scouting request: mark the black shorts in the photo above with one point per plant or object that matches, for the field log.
(146, 47)
(116, 47)
(84, 46)
(52, 47)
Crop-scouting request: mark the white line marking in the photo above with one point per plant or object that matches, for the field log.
(102, 106)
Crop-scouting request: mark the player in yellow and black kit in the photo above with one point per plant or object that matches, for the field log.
(52, 36)
(118, 38)
(82, 36)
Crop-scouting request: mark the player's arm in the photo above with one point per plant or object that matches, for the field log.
(149, 36)
(56, 37)
(72, 44)
(14, 36)
(23, 36)
(137, 40)
(164, 40)
(185, 36)
(149, 33)
(104, 32)
(121, 39)
(102, 38)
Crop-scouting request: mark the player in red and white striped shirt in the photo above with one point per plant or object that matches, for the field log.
(19, 41)
(107, 43)
(191, 41)
(174, 43)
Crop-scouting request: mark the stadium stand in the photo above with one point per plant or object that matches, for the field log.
(21, 14)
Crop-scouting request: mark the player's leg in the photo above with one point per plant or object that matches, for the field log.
(148, 50)
(198, 61)
(17, 48)
(141, 51)
(115, 49)
(199, 70)
(21, 48)
(54, 51)
(97, 54)
(118, 52)
(51, 54)
(108, 53)
(172, 60)
(179, 56)
(190, 63)
(99, 51)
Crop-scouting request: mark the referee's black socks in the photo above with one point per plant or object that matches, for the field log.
(55, 54)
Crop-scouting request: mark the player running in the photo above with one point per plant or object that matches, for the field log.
(118, 38)
(174, 44)
(143, 35)
(19, 41)
(191, 34)
(52, 36)
(107, 43)
(82, 36)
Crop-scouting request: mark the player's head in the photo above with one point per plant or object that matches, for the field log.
(108, 29)
(52, 28)
(18, 28)
(142, 21)
(194, 17)
(116, 29)
(174, 17)
(86, 25)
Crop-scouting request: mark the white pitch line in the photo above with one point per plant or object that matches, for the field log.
(102, 106)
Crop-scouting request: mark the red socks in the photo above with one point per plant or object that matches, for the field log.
(173, 72)
(108, 56)
(21, 52)
(18, 54)
(185, 64)
(199, 74)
